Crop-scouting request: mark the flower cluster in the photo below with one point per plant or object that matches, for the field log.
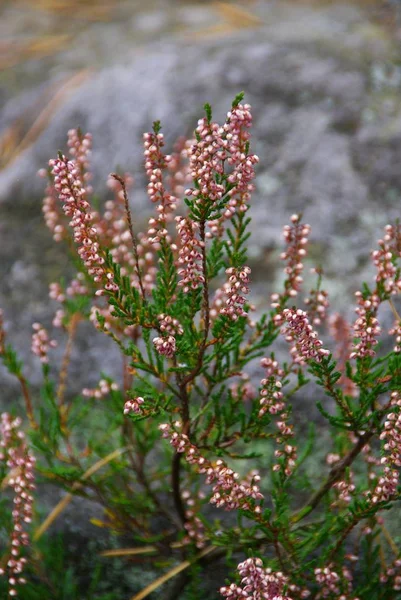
(227, 492)
(216, 146)
(388, 283)
(392, 574)
(237, 285)
(243, 390)
(169, 325)
(103, 389)
(330, 582)
(317, 302)
(345, 490)
(366, 326)
(20, 462)
(134, 405)
(340, 331)
(272, 401)
(206, 159)
(51, 211)
(155, 163)
(299, 332)
(166, 346)
(257, 583)
(396, 331)
(296, 238)
(387, 485)
(384, 260)
(41, 343)
(194, 526)
(80, 148)
(236, 128)
(392, 433)
(76, 287)
(72, 194)
(190, 255)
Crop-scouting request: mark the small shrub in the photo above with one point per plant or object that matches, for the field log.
(192, 463)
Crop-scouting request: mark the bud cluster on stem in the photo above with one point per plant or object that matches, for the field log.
(20, 463)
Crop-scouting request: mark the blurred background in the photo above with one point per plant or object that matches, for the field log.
(324, 80)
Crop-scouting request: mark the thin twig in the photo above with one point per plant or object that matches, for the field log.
(394, 310)
(131, 230)
(175, 483)
(28, 401)
(72, 328)
(334, 475)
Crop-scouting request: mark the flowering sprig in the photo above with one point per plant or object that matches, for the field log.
(256, 582)
(72, 195)
(41, 343)
(388, 283)
(227, 492)
(299, 332)
(296, 238)
(235, 292)
(20, 464)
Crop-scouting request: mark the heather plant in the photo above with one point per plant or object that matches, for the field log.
(193, 461)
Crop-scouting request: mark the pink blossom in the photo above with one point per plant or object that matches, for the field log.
(134, 405)
(103, 389)
(296, 238)
(235, 290)
(298, 331)
(20, 462)
(227, 492)
(366, 326)
(165, 345)
(257, 583)
(72, 194)
(190, 255)
(41, 343)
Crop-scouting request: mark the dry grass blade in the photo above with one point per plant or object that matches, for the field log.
(135, 551)
(130, 551)
(170, 574)
(15, 53)
(97, 10)
(57, 510)
(213, 31)
(9, 153)
(11, 475)
(236, 16)
(8, 142)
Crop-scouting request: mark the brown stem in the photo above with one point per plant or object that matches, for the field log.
(335, 474)
(206, 309)
(394, 310)
(28, 401)
(72, 328)
(131, 230)
(336, 395)
(175, 482)
(138, 468)
(175, 476)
